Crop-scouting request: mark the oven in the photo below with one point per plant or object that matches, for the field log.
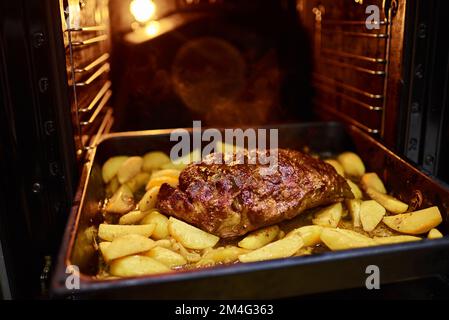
(82, 80)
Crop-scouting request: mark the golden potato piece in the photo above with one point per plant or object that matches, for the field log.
(434, 234)
(329, 216)
(221, 255)
(259, 238)
(109, 232)
(166, 173)
(127, 245)
(371, 214)
(139, 181)
(311, 235)
(132, 217)
(134, 266)
(337, 166)
(103, 246)
(388, 202)
(157, 182)
(416, 222)
(353, 206)
(154, 160)
(174, 166)
(190, 236)
(168, 257)
(355, 189)
(111, 166)
(161, 223)
(395, 239)
(352, 164)
(279, 249)
(112, 187)
(149, 200)
(372, 180)
(121, 202)
(129, 169)
(340, 239)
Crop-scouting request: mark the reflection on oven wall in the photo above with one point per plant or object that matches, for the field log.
(224, 67)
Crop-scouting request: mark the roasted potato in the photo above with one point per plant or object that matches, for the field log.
(311, 235)
(388, 202)
(355, 189)
(417, 222)
(168, 257)
(111, 167)
(337, 166)
(371, 214)
(190, 236)
(157, 182)
(221, 255)
(395, 239)
(354, 206)
(259, 238)
(138, 182)
(129, 169)
(161, 223)
(279, 249)
(149, 200)
(121, 202)
(340, 239)
(372, 181)
(329, 216)
(352, 164)
(126, 245)
(112, 187)
(109, 232)
(154, 160)
(132, 217)
(166, 173)
(134, 266)
(434, 234)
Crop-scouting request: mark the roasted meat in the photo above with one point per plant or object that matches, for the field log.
(229, 200)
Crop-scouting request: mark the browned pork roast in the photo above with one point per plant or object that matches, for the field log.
(232, 199)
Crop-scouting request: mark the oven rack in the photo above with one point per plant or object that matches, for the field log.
(354, 100)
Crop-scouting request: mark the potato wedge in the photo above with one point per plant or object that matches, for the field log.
(129, 169)
(109, 232)
(132, 217)
(127, 245)
(355, 189)
(259, 238)
(139, 181)
(416, 222)
(157, 182)
(149, 200)
(121, 202)
(173, 166)
(353, 206)
(311, 235)
(190, 256)
(329, 216)
(371, 214)
(337, 166)
(352, 164)
(161, 223)
(154, 160)
(340, 239)
(103, 246)
(279, 249)
(434, 234)
(372, 180)
(221, 255)
(111, 166)
(134, 266)
(395, 239)
(168, 257)
(166, 173)
(112, 187)
(190, 236)
(388, 202)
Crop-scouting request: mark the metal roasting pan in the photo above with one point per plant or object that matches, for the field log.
(271, 279)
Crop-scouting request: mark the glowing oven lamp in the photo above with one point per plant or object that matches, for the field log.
(142, 10)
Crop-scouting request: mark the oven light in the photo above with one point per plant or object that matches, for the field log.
(152, 28)
(142, 10)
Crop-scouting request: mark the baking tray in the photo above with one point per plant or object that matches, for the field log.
(270, 279)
